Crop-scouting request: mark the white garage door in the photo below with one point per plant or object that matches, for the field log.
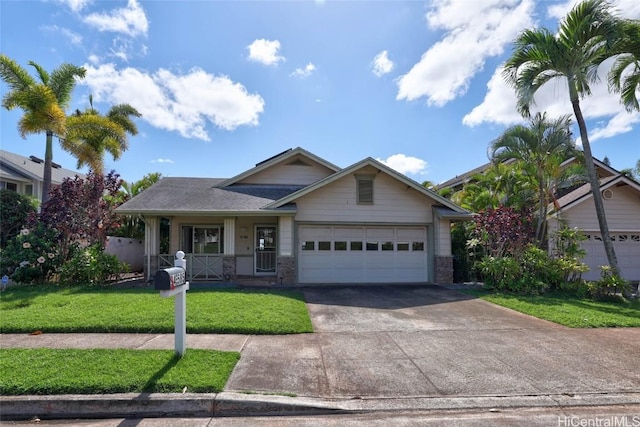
(627, 247)
(362, 254)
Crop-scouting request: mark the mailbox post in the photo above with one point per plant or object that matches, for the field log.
(171, 282)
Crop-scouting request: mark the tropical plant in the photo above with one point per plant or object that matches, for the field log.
(91, 266)
(585, 39)
(501, 185)
(540, 148)
(75, 214)
(624, 77)
(15, 209)
(43, 103)
(89, 134)
(131, 225)
(503, 231)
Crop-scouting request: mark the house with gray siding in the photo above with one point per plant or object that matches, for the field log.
(25, 175)
(296, 218)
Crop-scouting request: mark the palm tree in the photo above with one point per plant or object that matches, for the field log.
(501, 185)
(89, 134)
(584, 40)
(624, 77)
(540, 148)
(43, 103)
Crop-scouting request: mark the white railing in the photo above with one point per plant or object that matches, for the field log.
(199, 266)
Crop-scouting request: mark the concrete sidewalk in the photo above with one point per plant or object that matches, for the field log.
(380, 348)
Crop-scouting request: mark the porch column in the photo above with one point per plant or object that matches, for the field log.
(286, 260)
(151, 244)
(229, 257)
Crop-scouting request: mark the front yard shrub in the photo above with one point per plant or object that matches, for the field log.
(532, 273)
(15, 209)
(608, 286)
(31, 256)
(91, 266)
(499, 273)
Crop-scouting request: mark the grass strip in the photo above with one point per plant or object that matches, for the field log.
(66, 371)
(142, 310)
(568, 310)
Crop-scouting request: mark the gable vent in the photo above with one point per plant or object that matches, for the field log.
(607, 194)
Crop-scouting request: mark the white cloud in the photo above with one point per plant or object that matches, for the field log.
(120, 48)
(265, 51)
(73, 37)
(304, 72)
(161, 160)
(499, 105)
(75, 5)
(130, 20)
(177, 102)
(406, 164)
(381, 64)
(474, 31)
(625, 8)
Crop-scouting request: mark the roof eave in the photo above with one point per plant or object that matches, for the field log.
(362, 163)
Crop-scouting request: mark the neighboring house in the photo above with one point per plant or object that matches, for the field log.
(25, 174)
(576, 209)
(621, 197)
(296, 218)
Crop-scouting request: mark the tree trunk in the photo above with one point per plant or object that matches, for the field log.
(542, 214)
(48, 158)
(595, 182)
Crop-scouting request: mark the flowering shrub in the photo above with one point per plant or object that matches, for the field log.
(31, 256)
(15, 209)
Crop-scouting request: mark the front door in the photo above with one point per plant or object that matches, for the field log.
(265, 257)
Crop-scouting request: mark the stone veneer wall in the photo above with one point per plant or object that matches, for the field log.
(443, 269)
(229, 268)
(286, 270)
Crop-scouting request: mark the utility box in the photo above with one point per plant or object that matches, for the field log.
(170, 278)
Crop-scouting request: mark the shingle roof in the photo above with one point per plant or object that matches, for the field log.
(584, 191)
(14, 165)
(200, 195)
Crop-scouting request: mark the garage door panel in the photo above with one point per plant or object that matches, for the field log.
(379, 233)
(398, 262)
(627, 248)
(356, 233)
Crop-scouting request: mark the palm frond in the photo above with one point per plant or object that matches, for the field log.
(16, 77)
(63, 80)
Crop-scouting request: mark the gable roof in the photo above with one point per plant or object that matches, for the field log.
(17, 167)
(198, 196)
(278, 158)
(359, 165)
(583, 192)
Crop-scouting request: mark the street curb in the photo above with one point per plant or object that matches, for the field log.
(227, 404)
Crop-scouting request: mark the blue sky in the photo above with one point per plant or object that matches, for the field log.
(224, 85)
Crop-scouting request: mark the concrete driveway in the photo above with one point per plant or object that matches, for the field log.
(428, 341)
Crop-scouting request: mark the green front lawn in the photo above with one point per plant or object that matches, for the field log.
(569, 310)
(141, 310)
(48, 371)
